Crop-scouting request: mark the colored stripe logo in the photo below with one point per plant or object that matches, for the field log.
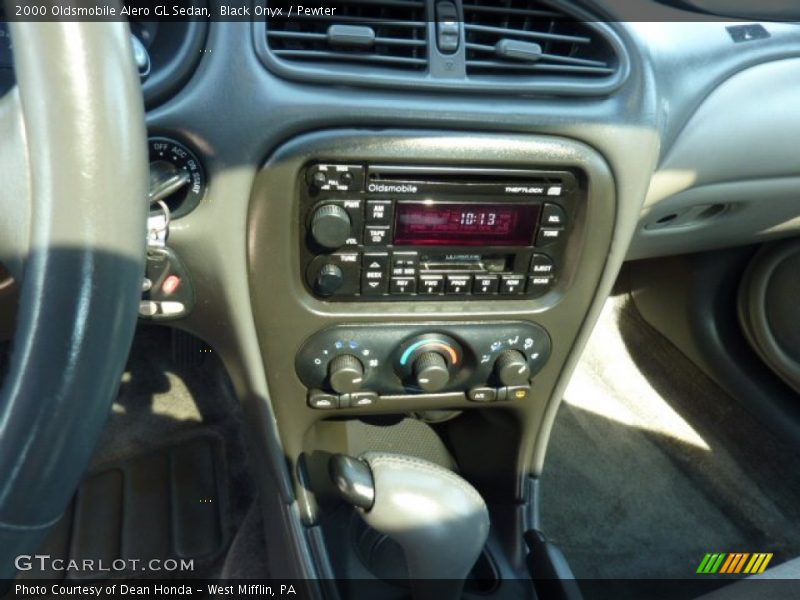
(733, 563)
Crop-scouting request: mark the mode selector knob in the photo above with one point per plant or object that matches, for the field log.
(512, 368)
(330, 226)
(346, 374)
(329, 279)
(430, 371)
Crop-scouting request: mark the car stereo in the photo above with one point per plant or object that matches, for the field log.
(379, 232)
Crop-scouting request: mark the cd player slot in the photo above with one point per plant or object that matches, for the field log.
(451, 176)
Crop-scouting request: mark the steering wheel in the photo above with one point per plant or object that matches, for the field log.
(73, 174)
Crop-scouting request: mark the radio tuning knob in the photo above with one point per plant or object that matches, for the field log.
(329, 279)
(346, 374)
(330, 226)
(430, 371)
(511, 368)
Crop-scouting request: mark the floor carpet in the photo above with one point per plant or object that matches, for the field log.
(651, 465)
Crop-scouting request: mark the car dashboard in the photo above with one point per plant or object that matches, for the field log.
(420, 207)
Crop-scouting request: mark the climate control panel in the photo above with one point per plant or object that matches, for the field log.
(358, 366)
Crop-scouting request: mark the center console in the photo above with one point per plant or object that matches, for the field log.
(421, 292)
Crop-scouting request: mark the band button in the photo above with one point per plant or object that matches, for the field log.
(379, 212)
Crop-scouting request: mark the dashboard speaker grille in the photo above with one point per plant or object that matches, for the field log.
(530, 39)
(389, 34)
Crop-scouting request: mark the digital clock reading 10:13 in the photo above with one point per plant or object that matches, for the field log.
(464, 224)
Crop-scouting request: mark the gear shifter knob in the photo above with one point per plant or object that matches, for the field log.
(439, 519)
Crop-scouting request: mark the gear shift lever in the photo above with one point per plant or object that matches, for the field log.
(439, 520)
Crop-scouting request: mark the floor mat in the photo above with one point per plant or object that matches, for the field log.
(162, 514)
(170, 475)
(651, 465)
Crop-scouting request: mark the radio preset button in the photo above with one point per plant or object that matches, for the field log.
(379, 212)
(512, 284)
(548, 235)
(403, 285)
(431, 284)
(541, 265)
(458, 284)
(485, 285)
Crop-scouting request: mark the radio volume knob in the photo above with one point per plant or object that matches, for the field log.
(330, 226)
(430, 371)
(512, 368)
(346, 374)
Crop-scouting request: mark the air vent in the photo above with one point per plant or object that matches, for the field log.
(533, 39)
(384, 34)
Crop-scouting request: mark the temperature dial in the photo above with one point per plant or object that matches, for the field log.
(512, 368)
(431, 372)
(429, 362)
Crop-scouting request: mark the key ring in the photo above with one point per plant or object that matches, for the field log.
(155, 233)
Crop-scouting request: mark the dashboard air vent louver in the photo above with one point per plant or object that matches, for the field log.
(389, 34)
(532, 38)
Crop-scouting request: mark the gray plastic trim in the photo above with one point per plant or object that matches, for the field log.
(738, 149)
(753, 312)
(167, 80)
(446, 72)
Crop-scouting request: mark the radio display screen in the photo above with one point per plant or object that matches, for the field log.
(464, 224)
